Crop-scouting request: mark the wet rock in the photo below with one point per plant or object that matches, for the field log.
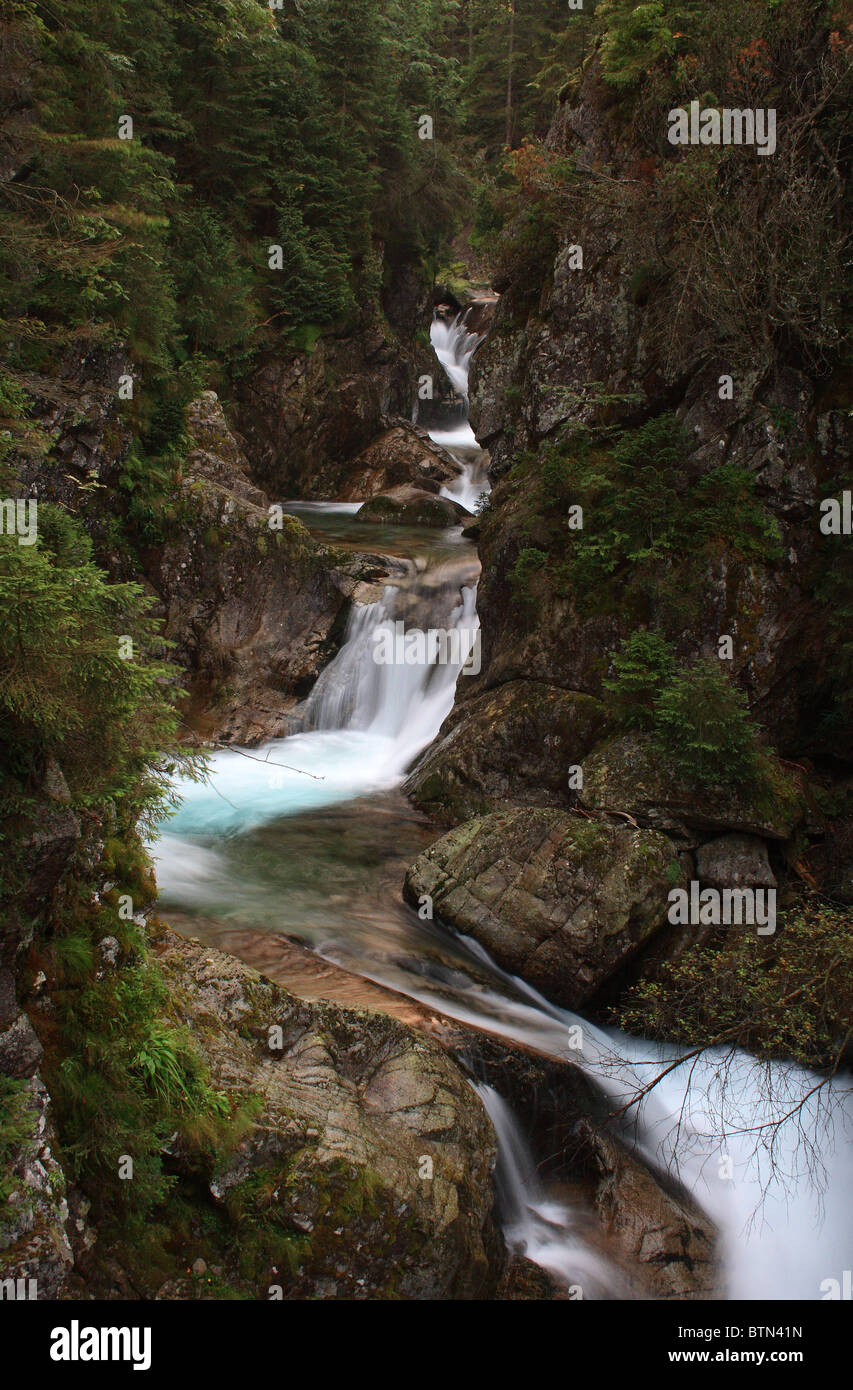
(734, 861)
(515, 744)
(630, 774)
(400, 455)
(561, 901)
(352, 1106)
(411, 506)
(670, 1246)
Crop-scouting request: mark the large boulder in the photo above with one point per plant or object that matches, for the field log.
(561, 901)
(516, 743)
(734, 861)
(631, 775)
(401, 454)
(412, 506)
(371, 1156)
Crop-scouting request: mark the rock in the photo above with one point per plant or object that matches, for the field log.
(54, 784)
(199, 1267)
(411, 506)
(33, 1239)
(305, 415)
(512, 744)
(734, 861)
(400, 455)
(45, 848)
(110, 950)
(20, 1049)
(255, 611)
(558, 900)
(350, 1105)
(670, 1244)
(630, 774)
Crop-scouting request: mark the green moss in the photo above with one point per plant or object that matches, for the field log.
(15, 1128)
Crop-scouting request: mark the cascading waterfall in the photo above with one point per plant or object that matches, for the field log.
(403, 701)
(779, 1195)
(546, 1231)
(367, 718)
(454, 346)
(760, 1148)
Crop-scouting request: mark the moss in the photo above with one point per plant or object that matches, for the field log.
(15, 1128)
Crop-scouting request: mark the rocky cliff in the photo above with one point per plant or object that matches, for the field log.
(636, 489)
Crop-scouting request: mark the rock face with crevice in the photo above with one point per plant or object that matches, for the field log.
(516, 743)
(669, 1245)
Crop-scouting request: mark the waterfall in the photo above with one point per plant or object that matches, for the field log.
(779, 1196)
(377, 705)
(454, 346)
(764, 1153)
(405, 697)
(544, 1230)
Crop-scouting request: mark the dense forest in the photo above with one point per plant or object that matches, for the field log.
(231, 235)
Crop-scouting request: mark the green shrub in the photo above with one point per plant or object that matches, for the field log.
(703, 724)
(643, 668)
(15, 1126)
(530, 561)
(646, 528)
(789, 995)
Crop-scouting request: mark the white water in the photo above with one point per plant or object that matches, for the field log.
(402, 704)
(780, 1195)
(548, 1232)
(781, 1198)
(370, 720)
(454, 347)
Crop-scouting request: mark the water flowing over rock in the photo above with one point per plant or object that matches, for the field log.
(400, 455)
(251, 606)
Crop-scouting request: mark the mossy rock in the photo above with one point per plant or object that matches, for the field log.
(561, 901)
(631, 774)
(329, 1195)
(408, 506)
(514, 744)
